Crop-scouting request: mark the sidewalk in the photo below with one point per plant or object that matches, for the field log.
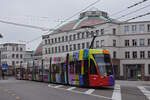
(133, 83)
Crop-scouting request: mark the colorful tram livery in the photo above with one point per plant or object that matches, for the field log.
(19, 73)
(86, 67)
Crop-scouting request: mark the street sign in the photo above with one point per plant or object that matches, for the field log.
(4, 66)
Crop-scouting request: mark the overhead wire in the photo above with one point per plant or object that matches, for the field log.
(71, 17)
(127, 8)
(134, 11)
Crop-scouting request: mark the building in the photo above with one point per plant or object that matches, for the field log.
(128, 42)
(12, 54)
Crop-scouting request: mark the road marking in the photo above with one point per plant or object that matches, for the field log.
(49, 85)
(116, 93)
(58, 86)
(71, 88)
(17, 97)
(145, 91)
(13, 94)
(99, 96)
(90, 91)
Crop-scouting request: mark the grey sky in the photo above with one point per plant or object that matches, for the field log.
(47, 13)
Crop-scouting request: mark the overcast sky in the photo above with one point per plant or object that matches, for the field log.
(48, 13)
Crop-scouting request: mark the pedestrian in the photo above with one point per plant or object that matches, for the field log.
(3, 75)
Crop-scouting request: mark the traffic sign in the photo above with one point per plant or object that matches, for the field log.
(4, 66)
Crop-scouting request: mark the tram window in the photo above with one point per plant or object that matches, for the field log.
(92, 67)
(86, 66)
(72, 67)
(57, 68)
(62, 67)
(78, 67)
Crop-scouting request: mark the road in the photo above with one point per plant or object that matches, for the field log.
(12, 89)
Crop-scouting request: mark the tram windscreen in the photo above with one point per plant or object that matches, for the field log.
(104, 63)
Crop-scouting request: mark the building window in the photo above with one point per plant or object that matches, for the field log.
(74, 46)
(21, 56)
(55, 40)
(83, 45)
(45, 42)
(102, 43)
(127, 43)
(114, 54)
(92, 33)
(13, 63)
(58, 39)
(13, 55)
(66, 38)
(114, 43)
(21, 49)
(133, 28)
(59, 49)
(45, 50)
(148, 41)
(148, 54)
(70, 47)
(134, 54)
(97, 32)
(55, 49)
(87, 45)
(52, 49)
(148, 28)
(70, 37)
(83, 35)
(142, 54)
(141, 27)
(97, 44)
(148, 68)
(127, 54)
(74, 36)
(49, 41)
(63, 39)
(49, 50)
(87, 34)
(16, 49)
(114, 31)
(141, 42)
(66, 47)
(126, 28)
(52, 41)
(17, 56)
(62, 48)
(102, 31)
(134, 42)
(79, 46)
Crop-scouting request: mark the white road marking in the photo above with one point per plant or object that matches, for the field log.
(49, 85)
(58, 86)
(145, 91)
(116, 93)
(90, 91)
(71, 88)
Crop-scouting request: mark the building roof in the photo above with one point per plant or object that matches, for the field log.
(88, 18)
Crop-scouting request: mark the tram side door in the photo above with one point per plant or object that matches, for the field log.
(86, 74)
(93, 76)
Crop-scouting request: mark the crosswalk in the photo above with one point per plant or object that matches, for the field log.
(118, 93)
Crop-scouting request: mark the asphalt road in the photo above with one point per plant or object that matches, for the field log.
(29, 90)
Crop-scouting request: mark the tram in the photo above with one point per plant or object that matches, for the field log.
(19, 73)
(85, 67)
